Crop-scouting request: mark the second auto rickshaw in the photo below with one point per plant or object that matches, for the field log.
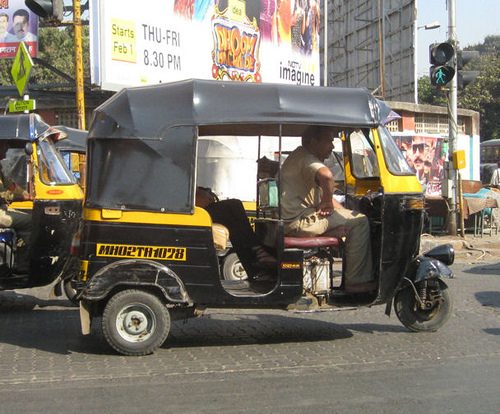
(147, 252)
(51, 199)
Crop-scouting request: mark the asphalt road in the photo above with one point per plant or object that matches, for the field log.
(262, 361)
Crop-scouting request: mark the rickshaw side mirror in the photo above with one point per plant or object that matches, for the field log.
(28, 149)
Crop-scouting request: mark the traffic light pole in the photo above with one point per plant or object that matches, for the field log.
(452, 127)
(80, 94)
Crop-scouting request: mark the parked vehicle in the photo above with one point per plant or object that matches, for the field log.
(147, 252)
(54, 204)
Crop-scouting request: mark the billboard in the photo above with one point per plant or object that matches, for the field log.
(157, 41)
(427, 155)
(17, 24)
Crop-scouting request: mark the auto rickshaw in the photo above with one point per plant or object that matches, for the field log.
(147, 253)
(73, 148)
(51, 197)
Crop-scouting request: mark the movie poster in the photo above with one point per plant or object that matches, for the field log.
(427, 156)
(234, 40)
(17, 24)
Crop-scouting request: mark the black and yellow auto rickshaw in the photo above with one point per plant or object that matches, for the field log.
(50, 197)
(73, 149)
(148, 253)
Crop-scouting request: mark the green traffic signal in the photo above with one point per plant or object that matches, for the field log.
(441, 75)
(441, 56)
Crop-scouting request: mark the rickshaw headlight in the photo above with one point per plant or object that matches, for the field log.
(444, 253)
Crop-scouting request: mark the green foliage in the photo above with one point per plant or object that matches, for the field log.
(483, 95)
(428, 94)
(56, 47)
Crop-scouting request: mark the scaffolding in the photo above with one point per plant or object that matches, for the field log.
(360, 32)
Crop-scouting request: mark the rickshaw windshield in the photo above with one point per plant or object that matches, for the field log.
(52, 167)
(364, 160)
(143, 174)
(394, 158)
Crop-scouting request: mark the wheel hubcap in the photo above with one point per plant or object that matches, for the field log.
(136, 323)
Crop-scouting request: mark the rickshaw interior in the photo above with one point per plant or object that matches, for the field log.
(357, 143)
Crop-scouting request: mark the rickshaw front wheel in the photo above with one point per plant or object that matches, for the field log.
(418, 317)
(135, 322)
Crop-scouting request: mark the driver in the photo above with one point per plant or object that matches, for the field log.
(20, 221)
(307, 188)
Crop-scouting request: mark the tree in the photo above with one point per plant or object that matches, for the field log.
(56, 47)
(483, 95)
(428, 94)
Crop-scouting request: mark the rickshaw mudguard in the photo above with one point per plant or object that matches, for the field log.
(429, 268)
(136, 273)
(420, 269)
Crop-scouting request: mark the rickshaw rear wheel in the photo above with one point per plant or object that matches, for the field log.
(135, 322)
(416, 319)
(232, 269)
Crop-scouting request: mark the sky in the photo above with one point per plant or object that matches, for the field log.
(475, 19)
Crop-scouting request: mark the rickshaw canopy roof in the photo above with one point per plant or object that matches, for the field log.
(149, 111)
(75, 141)
(24, 127)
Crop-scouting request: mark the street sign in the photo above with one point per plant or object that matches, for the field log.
(21, 106)
(21, 68)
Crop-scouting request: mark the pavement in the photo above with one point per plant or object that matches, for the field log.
(468, 249)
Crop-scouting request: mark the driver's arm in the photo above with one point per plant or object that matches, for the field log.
(324, 178)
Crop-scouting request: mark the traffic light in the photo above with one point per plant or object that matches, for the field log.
(46, 9)
(464, 77)
(441, 56)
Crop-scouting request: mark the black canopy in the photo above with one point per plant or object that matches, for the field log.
(25, 127)
(142, 141)
(75, 141)
(148, 112)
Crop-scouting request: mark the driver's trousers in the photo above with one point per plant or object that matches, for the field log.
(342, 222)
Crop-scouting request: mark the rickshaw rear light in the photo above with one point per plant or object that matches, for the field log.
(75, 243)
(414, 204)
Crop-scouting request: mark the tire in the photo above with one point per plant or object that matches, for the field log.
(232, 269)
(418, 320)
(135, 322)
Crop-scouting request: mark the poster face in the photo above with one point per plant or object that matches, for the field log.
(238, 40)
(427, 156)
(17, 24)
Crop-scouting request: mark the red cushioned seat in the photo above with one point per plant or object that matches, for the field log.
(311, 242)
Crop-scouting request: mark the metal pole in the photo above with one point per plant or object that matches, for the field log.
(452, 125)
(325, 43)
(381, 34)
(80, 95)
(415, 57)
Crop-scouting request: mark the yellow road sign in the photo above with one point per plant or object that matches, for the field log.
(21, 68)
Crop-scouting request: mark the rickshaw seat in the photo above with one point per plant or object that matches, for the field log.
(311, 242)
(220, 235)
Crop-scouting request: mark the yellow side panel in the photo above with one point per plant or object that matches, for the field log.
(200, 217)
(22, 205)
